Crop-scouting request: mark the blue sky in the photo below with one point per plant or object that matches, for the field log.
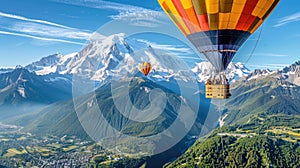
(33, 29)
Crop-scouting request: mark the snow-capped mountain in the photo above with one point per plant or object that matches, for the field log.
(291, 73)
(45, 62)
(233, 72)
(22, 84)
(56, 63)
(116, 56)
(119, 57)
(259, 73)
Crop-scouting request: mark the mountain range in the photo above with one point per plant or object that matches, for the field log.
(39, 95)
(22, 91)
(267, 92)
(114, 58)
(117, 55)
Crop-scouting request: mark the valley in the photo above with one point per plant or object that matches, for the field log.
(27, 150)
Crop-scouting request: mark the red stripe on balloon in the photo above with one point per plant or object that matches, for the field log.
(203, 21)
(246, 14)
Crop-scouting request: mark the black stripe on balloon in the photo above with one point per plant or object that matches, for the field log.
(223, 39)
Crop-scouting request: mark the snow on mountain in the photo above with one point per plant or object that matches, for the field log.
(44, 65)
(119, 57)
(5, 70)
(115, 56)
(233, 72)
(56, 63)
(236, 71)
(291, 73)
(258, 73)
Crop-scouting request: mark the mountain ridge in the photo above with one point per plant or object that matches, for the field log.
(22, 91)
(101, 60)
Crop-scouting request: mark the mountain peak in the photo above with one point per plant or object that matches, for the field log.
(295, 67)
(291, 73)
(115, 38)
(234, 71)
(19, 67)
(257, 73)
(101, 60)
(45, 62)
(19, 74)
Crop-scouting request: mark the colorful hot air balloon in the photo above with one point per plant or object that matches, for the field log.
(145, 68)
(218, 28)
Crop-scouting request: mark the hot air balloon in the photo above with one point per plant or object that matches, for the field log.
(145, 68)
(217, 29)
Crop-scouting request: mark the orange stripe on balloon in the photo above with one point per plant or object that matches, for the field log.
(193, 18)
(183, 15)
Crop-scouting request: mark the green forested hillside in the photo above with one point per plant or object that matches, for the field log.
(257, 151)
(261, 142)
(262, 129)
(268, 95)
(61, 118)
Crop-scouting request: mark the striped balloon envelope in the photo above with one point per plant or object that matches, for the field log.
(145, 68)
(218, 28)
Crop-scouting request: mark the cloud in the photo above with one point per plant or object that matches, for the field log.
(179, 50)
(40, 38)
(288, 19)
(50, 31)
(173, 48)
(100, 4)
(143, 17)
(133, 15)
(11, 16)
(41, 30)
(270, 55)
(267, 66)
(190, 58)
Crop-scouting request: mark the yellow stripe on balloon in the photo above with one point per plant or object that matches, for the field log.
(186, 4)
(223, 20)
(237, 9)
(173, 19)
(266, 8)
(259, 7)
(212, 6)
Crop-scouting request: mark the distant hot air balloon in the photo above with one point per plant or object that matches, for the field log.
(218, 28)
(145, 68)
